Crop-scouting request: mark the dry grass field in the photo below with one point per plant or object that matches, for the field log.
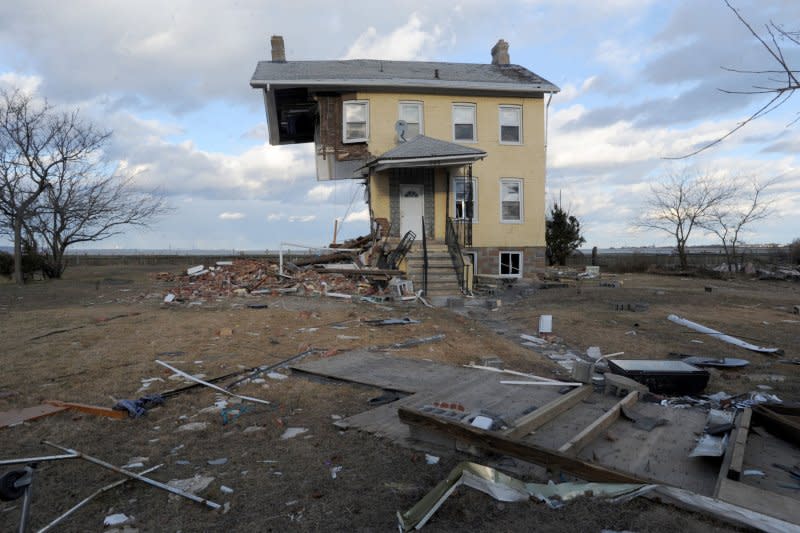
(94, 336)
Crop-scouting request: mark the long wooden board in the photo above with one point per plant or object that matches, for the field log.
(499, 443)
(593, 430)
(759, 500)
(536, 419)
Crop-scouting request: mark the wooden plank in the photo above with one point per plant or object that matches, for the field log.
(17, 416)
(780, 421)
(759, 500)
(90, 409)
(500, 443)
(593, 430)
(739, 438)
(727, 512)
(536, 419)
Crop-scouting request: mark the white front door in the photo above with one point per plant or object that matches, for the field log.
(412, 208)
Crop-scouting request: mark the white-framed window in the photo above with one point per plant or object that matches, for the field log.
(355, 121)
(511, 201)
(411, 112)
(464, 128)
(465, 198)
(510, 124)
(511, 264)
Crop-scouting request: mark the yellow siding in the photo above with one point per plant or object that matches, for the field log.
(525, 161)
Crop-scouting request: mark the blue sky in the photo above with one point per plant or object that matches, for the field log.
(640, 81)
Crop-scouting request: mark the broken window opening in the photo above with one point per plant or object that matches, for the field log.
(511, 264)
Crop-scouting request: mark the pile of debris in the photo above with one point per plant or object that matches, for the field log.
(243, 277)
(359, 267)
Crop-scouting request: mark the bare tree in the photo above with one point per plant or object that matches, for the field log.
(780, 82)
(681, 202)
(90, 204)
(37, 145)
(729, 219)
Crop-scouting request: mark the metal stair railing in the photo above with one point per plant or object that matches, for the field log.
(453, 247)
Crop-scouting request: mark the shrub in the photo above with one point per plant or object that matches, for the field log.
(6, 264)
(794, 251)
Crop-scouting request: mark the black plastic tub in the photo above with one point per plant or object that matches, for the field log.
(662, 377)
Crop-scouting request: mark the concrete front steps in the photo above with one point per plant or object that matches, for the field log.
(442, 279)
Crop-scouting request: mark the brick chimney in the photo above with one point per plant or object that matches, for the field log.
(278, 50)
(500, 53)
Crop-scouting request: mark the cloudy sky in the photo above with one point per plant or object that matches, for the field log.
(640, 82)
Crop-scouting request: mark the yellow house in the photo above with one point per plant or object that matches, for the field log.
(452, 150)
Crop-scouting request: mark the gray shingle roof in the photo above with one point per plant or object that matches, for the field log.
(423, 146)
(358, 73)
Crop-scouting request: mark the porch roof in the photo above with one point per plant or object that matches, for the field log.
(424, 151)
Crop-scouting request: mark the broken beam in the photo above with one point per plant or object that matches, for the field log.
(739, 444)
(541, 416)
(503, 444)
(593, 430)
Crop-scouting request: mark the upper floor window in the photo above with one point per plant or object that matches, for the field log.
(411, 112)
(511, 200)
(464, 123)
(510, 124)
(355, 124)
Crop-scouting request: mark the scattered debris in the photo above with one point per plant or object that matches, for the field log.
(503, 488)
(668, 377)
(93, 495)
(138, 408)
(152, 482)
(545, 325)
(433, 459)
(116, 519)
(391, 322)
(210, 385)
(724, 362)
(291, 433)
(722, 336)
(193, 426)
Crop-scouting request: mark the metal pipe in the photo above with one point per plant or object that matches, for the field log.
(27, 460)
(93, 495)
(133, 475)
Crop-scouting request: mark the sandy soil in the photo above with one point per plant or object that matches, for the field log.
(115, 327)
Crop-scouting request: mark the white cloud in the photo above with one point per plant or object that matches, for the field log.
(231, 216)
(14, 80)
(360, 215)
(302, 218)
(274, 217)
(320, 193)
(409, 41)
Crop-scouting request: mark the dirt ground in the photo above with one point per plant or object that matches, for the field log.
(101, 329)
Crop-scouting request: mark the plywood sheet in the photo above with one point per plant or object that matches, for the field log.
(17, 416)
(385, 371)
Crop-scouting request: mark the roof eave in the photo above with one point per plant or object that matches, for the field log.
(322, 84)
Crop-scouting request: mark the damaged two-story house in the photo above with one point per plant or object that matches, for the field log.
(454, 150)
